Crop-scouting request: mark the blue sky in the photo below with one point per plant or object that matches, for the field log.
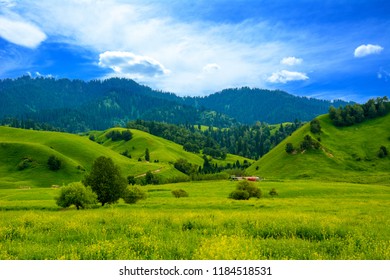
(324, 49)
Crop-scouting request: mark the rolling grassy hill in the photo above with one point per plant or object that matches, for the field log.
(24, 155)
(346, 154)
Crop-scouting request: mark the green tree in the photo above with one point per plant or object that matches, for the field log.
(184, 166)
(76, 194)
(289, 148)
(149, 177)
(105, 180)
(315, 126)
(147, 154)
(127, 135)
(54, 163)
(131, 180)
(382, 152)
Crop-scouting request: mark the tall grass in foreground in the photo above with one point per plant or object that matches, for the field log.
(120, 234)
(306, 221)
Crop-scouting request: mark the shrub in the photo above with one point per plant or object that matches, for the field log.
(24, 163)
(273, 192)
(54, 163)
(239, 195)
(250, 187)
(131, 180)
(315, 126)
(245, 190)
(289, 148)
(179, 193)
(76, 194)
(382, 152)
(184, 166)
(133, 194)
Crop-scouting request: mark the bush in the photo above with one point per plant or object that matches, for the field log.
(245, 190)
(250, 187)
(273, 192)
(239, 195)
(315, 126)
(289, 148)
(382, 152)
(54, 163)
(133, 194)
(179, 193)
(76, 194)
(131, 180)
(24, 163)
(184, 166)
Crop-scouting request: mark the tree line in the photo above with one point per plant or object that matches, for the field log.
(357, 113)
(244, 140)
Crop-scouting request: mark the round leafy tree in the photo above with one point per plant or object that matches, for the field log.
(76, 194)
(54, 163)
(106, 181)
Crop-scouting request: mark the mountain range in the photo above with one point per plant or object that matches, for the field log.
(79, 106)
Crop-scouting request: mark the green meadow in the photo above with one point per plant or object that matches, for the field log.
(307, 220)
(332, 203)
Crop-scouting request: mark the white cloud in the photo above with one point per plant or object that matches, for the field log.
(383, 74)
(185, 48)
(129, 64)
(291, 61)
(211, 68)
(21, 32)
(285, 76)
(369, 49)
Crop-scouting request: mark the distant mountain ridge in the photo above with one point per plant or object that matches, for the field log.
(248, 105)
(76, 106)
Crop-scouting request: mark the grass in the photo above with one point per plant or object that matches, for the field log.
(77, 153)
(307, 220)
(347, 154)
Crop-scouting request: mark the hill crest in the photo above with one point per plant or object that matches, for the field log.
(345, 154)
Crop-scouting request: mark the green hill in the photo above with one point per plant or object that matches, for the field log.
(24, 155)
(346, 154)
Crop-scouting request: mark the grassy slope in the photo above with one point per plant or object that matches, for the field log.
(74, 151)
(165, 151)
(347, 154)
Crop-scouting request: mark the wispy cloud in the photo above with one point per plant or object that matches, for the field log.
(285, 76)
(291, 61)
(130, 65)
(206, 46)
(20, 32)
(211, 68)
(369, 49)
(185, 48)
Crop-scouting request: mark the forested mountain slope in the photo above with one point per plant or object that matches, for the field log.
(248, 105)
(76, 106)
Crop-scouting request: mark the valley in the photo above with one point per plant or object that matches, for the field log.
(323, 193)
